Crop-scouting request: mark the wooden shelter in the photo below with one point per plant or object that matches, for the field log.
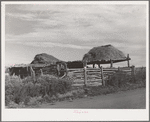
(29, 69)
(106, 54)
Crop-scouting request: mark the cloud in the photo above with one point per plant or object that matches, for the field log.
(27, 17)
(50, 44)
(78, 26)
(82, 22)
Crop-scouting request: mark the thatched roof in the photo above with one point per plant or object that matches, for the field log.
(44, 59)
(104, 54)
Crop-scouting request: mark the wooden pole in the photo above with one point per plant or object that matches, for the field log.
(27, 71)
(102, 76)
(19, 73)
(32, 73)
(111, 63)
(118, 68)
(85, 75)
(99, 66)
(93, 65)
(66, 69)
(41, 72)
(58, 69)
(128, 60)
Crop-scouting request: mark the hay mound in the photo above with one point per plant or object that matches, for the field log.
(44, 59)
(103, 53)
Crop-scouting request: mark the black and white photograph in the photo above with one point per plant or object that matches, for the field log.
(74, 60)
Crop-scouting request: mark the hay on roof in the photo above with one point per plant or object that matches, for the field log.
(104, 54)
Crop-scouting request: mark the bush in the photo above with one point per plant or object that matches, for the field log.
(118, 79)
(28, 79)
(28, 91)
(35, 100)
(51, 85)
(140, 75)
(14, 105)
(64, 96)
(12, 89)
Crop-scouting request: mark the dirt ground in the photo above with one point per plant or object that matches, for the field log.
(133, 99)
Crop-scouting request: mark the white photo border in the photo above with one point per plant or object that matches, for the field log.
(68, 114)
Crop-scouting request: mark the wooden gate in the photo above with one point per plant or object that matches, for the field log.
(96, 76)
(86, 76)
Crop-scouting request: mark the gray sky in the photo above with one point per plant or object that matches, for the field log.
(69, 31)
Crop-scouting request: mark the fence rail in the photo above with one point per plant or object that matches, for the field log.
(86, 76)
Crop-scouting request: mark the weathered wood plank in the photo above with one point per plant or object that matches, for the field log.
(85, 76)
(110, 69)
(78, 74)
(126, 70)
(92, 69)
(94, 80)
(77, 69)
(93, 76)
(93, 73)
(102, 75)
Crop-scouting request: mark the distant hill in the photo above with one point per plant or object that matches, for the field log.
(44, 58)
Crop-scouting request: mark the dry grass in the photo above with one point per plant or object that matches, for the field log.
(106, 52)
(24, 93)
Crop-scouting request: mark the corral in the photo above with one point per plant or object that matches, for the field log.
(98, 76)
(78, 70)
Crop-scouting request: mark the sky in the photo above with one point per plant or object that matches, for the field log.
(68, 31)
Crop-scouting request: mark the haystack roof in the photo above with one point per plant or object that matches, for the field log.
(44, 58)
(104, 54)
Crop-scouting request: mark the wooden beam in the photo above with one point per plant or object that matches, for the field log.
(32, 74)
(85, 63)
(93, 65)
(85, 76)
(111, 63)
(118, 68)
(41, 72)
(107, 61)
(99, 66)
(102, 76)
(128, 60)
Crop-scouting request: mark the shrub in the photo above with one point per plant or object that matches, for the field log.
(119, 79)
(51, 85)
(28, 79)
(12, 104)
(27, 91)
(12, 89)
(140, 75)
(35, 100)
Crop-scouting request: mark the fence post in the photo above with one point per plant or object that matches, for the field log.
(133, 73)
(85, 75)
(32, 73)
(41, 72)
(111, 63)
(102, 76)
(19, 73)
(118, 68)
(66, 69)
(128, 60)
(27, 71)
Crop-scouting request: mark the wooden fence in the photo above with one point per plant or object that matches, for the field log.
(97, 76)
